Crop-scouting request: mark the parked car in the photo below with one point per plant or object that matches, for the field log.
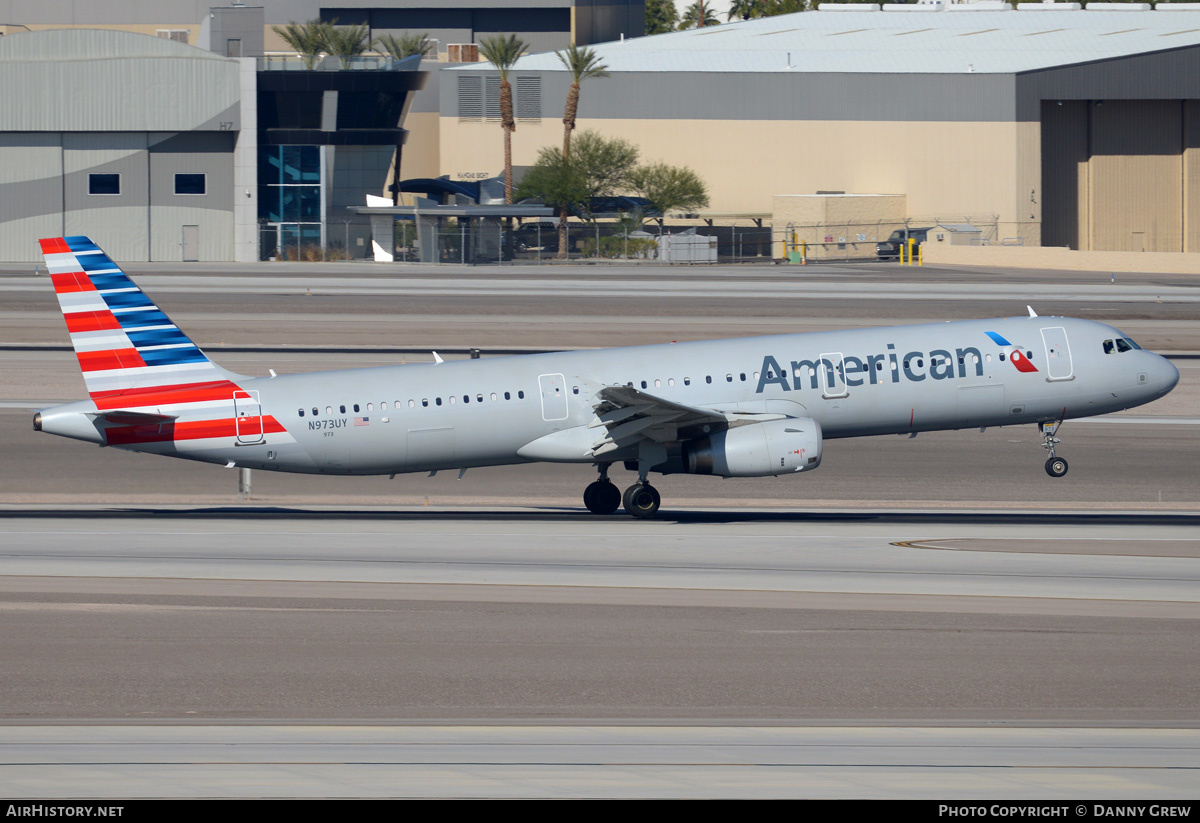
(891, 247)
(542, 235)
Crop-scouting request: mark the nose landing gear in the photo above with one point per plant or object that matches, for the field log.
(1055, 465)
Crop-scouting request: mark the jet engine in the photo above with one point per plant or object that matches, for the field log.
(756, 450)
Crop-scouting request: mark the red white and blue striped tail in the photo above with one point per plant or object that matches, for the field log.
(125, 344)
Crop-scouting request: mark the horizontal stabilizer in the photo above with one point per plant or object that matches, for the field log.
(117, 417)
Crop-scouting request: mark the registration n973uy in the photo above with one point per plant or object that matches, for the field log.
(749, 407)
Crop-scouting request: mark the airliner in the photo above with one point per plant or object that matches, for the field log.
(749, 407)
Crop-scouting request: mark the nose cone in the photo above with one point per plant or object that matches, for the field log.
(1168, 375)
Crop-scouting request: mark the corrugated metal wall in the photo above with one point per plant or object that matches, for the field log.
(1136, 181)
(1121, 175)
(1191, 175)
(1064, 174)
(31, 193)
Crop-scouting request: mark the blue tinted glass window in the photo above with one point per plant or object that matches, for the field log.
(269, 162)
(190, 184)
(270, 207)
(104, 184)
(301, 164)
(310, 203)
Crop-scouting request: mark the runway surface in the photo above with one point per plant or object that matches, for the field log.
(918, 618)
(602, 761)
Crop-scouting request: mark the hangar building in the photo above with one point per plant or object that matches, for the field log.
(163, 151)
(1072, 127)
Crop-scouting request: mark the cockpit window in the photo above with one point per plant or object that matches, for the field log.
(1130, 342)
(1123, 345)
(1108, 347)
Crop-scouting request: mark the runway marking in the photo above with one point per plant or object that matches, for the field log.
(1109, 546)
(560, 594)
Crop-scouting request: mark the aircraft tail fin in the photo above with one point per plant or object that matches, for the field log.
(125, 344)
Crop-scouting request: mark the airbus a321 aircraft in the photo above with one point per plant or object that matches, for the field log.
(750, 407)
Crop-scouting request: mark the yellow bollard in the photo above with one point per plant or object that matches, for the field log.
(901, 254)
(920, 256)
(803, 253)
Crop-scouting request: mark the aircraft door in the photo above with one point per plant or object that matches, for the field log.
(554, 396)
(1058, 354)
(832, 374)
(247, 417)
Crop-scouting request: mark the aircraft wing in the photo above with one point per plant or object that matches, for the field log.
(627, 415)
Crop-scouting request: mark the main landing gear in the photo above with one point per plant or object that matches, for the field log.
(1055, 465)
(640, 500)
(602, 497)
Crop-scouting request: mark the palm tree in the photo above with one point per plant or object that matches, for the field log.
(347, 42)
(698, 15)
(583, 63)
(406, 45)
(308, 39)
(503, 51)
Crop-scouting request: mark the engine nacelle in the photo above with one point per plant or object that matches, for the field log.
(756, 450)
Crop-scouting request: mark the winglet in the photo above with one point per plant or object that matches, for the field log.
(437, 358)
(1032, 313)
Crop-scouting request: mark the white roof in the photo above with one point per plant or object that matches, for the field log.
(919, 41)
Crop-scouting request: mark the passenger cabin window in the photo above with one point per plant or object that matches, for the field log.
(301, 412)
(314, 411)
(356, 408)
(329, 410)
(520, 395)
(342, 409)
(507, 396)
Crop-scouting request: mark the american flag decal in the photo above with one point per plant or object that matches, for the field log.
(362, 421)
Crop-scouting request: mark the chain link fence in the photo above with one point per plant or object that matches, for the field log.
(343, 240)
(492, 241)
